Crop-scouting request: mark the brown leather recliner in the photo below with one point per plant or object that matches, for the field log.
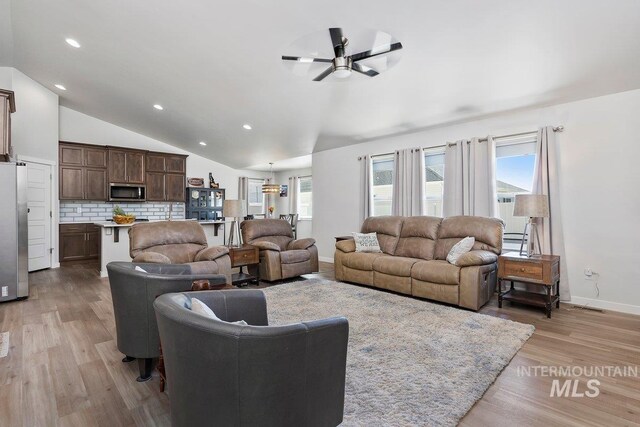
(281, 257)
(178, 242)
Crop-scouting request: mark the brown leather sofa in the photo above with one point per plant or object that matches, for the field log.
(178, 242)
(281, 257)
(413, 259)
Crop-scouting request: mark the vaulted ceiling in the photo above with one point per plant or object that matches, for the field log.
(215, 66)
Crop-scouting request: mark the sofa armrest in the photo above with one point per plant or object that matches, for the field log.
(264, 245)
(152, 257)
(211, 254)
(301, 244)
(476, 257)
(346, 245)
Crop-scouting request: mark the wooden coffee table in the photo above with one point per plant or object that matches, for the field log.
(243, 256)
(541, 270)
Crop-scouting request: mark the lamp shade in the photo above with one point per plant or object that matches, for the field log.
(531, 205)
(232, 208)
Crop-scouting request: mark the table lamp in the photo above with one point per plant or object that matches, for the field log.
(531, 206)
(233, 208)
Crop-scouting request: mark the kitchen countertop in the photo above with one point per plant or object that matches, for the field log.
(111, 224)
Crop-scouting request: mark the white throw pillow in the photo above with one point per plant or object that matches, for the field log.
(199, 307)
(366, 242)
(460, 248)
(140, 269)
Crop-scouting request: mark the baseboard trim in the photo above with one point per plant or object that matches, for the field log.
(606, 305)
(325, 259)
(56, 265)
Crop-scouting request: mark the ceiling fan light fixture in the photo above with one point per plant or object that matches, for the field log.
(342, 67)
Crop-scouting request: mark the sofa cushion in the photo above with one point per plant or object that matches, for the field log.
(366, 242)
(394, 265)
(294, 256)
(361, 260)
(277, 231)
(436, 272)
(487, 232)
(146, 235)
(388, 230)
(418, 237)
(178, 253)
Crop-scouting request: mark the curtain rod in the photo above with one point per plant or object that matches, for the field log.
(559, 128)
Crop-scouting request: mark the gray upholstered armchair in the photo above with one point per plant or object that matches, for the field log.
(178, 242)
(133, 293)
(281, 257)
(291, 375)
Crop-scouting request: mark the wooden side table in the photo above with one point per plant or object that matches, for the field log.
(244, 256)
(541, 270)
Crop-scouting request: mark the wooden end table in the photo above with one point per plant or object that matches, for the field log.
(541, 270)
(243, 256)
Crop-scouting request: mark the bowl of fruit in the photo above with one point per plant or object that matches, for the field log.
(120, 217)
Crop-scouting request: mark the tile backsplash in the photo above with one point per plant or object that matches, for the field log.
(101, 211)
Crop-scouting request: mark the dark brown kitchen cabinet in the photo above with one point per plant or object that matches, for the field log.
(165, 177)
(82, 172)
(7, 106)
(79, 242)
(126, 166)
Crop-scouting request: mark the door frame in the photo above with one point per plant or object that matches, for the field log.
(53, 219)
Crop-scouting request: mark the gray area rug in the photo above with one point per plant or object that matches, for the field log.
(409, 362)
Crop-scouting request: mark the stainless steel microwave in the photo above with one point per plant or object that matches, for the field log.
(127, 193)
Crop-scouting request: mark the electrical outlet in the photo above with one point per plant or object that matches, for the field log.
(5, 291)
(588, 273)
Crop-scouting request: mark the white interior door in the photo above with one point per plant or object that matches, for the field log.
(39, 203)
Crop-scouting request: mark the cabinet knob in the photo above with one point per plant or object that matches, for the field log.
(522, 269)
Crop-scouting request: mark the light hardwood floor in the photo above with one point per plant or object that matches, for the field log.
(63, 367)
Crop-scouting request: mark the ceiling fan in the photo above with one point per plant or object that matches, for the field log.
(343, 64)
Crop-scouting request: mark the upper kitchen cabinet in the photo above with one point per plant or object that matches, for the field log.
(7, 106)
(82, 172)
(165, 177)
(126, 166)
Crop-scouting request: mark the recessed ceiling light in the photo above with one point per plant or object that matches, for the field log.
(203, 143)
(158, 107)
(247, 126)
(59, 86)
(73, 43)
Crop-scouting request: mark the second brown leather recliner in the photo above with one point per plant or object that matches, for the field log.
(281, 257)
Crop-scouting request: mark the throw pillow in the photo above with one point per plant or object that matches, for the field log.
(460, 248)
(366, 242)
(199, 307)
(140, 269)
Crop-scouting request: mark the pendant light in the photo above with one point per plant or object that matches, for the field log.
(271, 188)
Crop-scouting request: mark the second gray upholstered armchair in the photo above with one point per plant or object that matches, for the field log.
(225, 374)
(133, 293)
(281, 257)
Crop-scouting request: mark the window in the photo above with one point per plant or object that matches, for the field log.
(515, 159)
(305, 197)
(434, 185)
(382, 184)
(255, 198)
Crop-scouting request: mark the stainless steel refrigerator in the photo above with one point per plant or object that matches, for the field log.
(14, 277)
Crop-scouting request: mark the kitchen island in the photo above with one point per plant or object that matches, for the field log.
(114, 245)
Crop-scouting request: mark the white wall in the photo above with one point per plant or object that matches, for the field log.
(599, 151)
(282, 203)
(34, 129)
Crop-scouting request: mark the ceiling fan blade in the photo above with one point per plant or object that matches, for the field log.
(324, 74)
(336, 41)
(364, 69)
(375, 52)
(304, 59)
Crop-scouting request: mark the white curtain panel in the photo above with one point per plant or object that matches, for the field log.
(408, 183)
(470, 178)
(482, 194)
(243, 191)
(366, 183)
(546, 181)
(294, 186)
(455, 184)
